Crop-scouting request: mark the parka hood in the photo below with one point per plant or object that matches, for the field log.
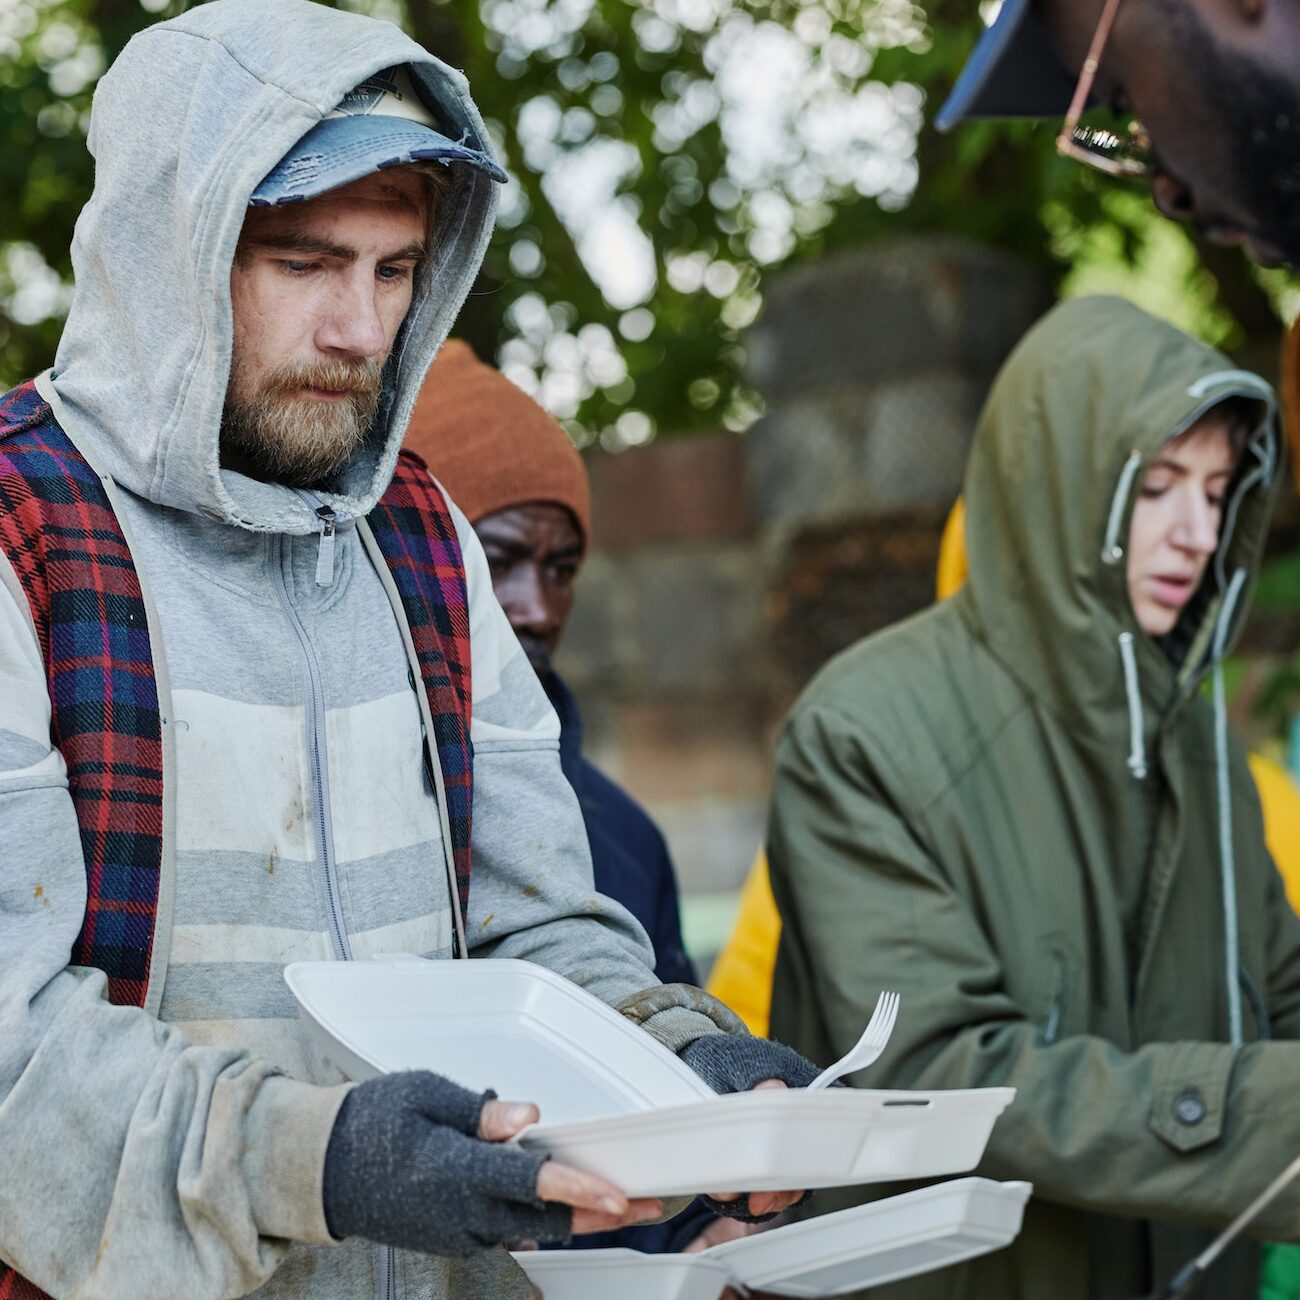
(1079, 410)
(185, 124)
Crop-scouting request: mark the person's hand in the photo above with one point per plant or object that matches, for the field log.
(724, 1230)
(760, 1205)
(740, 1063)
(416, 1161)
(718, 1233)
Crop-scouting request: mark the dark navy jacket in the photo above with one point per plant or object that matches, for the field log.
(632, 866)
(628, 853)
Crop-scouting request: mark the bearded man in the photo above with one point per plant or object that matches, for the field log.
(251, 678)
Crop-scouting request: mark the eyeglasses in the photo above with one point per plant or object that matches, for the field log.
(1122, 152)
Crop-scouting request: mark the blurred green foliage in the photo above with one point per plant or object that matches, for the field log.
(557, 79)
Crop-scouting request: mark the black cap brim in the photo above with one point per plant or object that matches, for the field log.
(1014, 71)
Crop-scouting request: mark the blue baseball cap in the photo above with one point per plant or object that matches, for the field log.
(1014, 71)
(381, 123)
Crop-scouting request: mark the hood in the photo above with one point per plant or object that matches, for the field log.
(1078, 411)
(185, 124)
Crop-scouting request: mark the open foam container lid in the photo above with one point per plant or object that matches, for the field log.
(834, 1254)
(491, 1023)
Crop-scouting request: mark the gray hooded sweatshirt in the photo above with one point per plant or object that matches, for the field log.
(177, 1150)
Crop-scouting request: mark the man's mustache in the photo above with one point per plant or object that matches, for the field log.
(361, 378)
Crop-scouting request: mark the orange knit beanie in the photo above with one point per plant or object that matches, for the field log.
(490, 444)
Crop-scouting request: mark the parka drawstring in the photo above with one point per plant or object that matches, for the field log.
(1137, 754)
(1227, 858)
(1111, 551)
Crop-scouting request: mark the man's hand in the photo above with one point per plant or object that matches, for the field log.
(719, 1232)
(724, 1230)
(761, 1204)
(416, 1161)
(598, 1206)
(739, 1063)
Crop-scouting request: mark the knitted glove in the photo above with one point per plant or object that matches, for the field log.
(737, 1063)
(405, 1167)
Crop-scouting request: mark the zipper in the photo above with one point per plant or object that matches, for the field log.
(329, 522)
(325, 552)
(319, 760)
(317, 745)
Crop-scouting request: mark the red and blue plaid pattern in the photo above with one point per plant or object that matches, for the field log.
(414, 529)
(58, 529)
(61, 536)
(59, 532)
(14, 1287)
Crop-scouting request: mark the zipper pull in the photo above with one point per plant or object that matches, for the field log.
(325, 554)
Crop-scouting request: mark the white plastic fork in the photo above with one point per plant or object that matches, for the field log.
(865, 1051)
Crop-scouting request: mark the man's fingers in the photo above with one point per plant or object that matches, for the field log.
(638, 1211)
(771, 1202)
(501, 1120)
(719, 1231)
(569, 1186)
(760, 1202)
(598, 1206)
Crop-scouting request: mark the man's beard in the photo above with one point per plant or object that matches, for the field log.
(1264, 115)
(281, 435)
(538, 653)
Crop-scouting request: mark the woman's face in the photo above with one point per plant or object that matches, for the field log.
(1176, 522)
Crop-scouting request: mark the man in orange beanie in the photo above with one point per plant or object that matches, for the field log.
(513, 471)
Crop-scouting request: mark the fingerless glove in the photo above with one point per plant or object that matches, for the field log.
(405, 1167)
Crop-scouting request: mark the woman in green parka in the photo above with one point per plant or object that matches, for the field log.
(1020, 810)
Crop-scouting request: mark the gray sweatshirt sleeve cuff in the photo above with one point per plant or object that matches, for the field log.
(287, 1130)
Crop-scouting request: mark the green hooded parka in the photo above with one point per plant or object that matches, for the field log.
(1008, 808)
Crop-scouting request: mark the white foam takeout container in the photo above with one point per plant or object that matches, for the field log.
(867, 1246)
(614, 1101)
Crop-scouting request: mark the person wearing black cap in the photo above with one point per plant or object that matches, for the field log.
(253, 683)
(1210, 91)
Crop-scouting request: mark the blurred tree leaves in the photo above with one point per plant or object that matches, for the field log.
(623, 303)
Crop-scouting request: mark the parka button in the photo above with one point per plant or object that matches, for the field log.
(1189, 1109)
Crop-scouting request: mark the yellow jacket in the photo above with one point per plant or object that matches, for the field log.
(742, 975)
